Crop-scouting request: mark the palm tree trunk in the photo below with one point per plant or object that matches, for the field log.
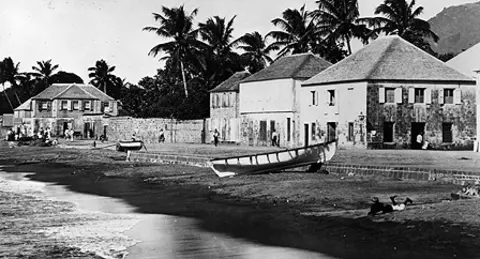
(184, 79)
(8, 99)
(105, 87)
(347, 39)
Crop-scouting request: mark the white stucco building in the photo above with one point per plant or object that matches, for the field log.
(269, 99)
(384, 96)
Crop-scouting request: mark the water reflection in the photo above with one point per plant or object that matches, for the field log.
(165, 236)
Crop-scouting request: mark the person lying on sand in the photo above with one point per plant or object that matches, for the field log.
(378, 206)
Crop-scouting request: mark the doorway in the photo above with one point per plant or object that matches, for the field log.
(418, 128)
(331, 131)
(305, 126)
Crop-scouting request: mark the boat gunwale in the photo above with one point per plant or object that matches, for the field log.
(276, 152)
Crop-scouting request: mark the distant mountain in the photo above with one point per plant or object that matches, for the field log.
(458, 28)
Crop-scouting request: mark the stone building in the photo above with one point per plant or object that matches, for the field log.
(269, 99)
(385, 95)
(62, 106)
(224, 111)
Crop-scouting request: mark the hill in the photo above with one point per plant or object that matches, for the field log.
(458, 28)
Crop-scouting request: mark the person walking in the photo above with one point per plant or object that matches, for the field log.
(216, 135)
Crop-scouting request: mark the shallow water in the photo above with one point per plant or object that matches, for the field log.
(159, 235)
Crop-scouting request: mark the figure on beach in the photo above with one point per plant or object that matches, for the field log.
(161, 138)
(216, 135)
(378, 206)
(275, 138)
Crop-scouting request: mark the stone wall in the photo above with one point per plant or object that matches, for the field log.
(433, 114)
(148, 130)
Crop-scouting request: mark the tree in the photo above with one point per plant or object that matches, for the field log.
(63, 77)
(44, 70)
(446, 57)
(399, 17)
(218, 61)
(339, 19)
(256, 54)
(298, 34)
(101, 75)
(176, 25)
(10, 73)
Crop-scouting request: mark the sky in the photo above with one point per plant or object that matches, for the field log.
(76, 33)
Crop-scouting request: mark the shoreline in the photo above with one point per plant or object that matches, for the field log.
(50, 227)
(308, 211)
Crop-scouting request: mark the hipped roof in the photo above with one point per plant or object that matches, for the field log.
(72, 91)
(389, 58)
(231, 84)
(26, 106)
(468, 61)
(298, 66)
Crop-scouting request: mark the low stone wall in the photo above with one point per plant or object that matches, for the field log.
(419, 174)
(148, 130)
(161, 158)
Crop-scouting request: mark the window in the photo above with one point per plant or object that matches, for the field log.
(64, 105)
(217, 100)
(75, 105)
(331, 97)
(313, 131)
(87, 105)
(448, 96)
(350, 131)
(419, 95)
(390, 95)
(225, 101)
(44, 105)
(314, 97)
(288, 129)
(387, 131)
(447, 136)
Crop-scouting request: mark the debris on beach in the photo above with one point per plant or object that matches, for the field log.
(467, 192)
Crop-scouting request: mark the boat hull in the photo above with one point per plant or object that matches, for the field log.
(274, 161)
(125, 146)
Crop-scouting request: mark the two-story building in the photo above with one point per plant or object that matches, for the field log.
(269, 99)
(224, 111)
(68, 106)
(386, 95)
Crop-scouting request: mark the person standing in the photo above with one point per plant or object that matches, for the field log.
(275, 138)
(419, 140)
(216, 135)
(161, 139)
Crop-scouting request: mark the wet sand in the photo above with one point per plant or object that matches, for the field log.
(313, 212)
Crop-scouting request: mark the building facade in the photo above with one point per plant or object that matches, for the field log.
(269, 100)
(224, 108)
(390, 94)
(67, 106)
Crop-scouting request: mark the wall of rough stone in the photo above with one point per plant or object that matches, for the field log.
(148, 130)
(462, 116)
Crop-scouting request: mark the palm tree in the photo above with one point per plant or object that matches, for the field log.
(255, 54)
(101, 75)
(219, 61)
(11, 74)
(401, 18)
(340, 20)
(44, 71)
(176, 25)
(298, 34)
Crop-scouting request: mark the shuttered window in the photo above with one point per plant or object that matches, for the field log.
(64, 105)
(448, 96)
(390, 95)
(419, 95)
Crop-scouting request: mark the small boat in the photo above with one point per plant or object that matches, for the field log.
(125, 145)
(313, 155)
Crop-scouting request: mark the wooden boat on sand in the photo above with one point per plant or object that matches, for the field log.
(313, 155)
(126, 145)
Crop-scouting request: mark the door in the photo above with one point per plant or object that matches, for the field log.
(305, 134)
(86, 129)
(272, 129)
(417, 137)
(331, 131)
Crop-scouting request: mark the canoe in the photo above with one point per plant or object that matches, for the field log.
(125, 145)
(313, 155)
